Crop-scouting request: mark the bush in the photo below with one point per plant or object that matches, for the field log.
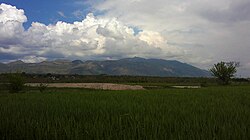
(16, 82)
(204, 84)
(42, 87)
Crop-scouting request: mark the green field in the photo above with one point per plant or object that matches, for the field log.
(206, 113)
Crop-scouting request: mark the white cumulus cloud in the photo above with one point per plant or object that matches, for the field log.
(196, 32)
(11, 20)
(91, 38)
(202, 31)
(33, 59)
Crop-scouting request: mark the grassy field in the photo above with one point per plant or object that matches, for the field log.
(206, 113)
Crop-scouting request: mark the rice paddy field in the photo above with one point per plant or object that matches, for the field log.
(216, 112)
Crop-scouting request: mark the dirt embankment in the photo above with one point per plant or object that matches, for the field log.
(103, 86)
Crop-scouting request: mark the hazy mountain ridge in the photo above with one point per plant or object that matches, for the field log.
(127, 66)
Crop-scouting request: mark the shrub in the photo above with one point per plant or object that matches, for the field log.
(16, 82)
(42, 87)
(204, 84)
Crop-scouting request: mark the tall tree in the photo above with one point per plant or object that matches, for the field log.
(224, 71)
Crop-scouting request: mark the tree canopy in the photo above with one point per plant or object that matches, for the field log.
(224, 71)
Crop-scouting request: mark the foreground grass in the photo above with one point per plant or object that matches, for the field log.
(207, 113)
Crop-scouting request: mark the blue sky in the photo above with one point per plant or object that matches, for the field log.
(197, 32)
(47, 11)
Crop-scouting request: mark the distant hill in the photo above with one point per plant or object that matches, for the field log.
(128, 66)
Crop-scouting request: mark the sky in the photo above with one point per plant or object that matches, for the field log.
(197, 32)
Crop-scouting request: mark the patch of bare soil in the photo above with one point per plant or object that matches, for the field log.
(103, 86)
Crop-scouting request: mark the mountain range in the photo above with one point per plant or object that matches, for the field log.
(127, 66)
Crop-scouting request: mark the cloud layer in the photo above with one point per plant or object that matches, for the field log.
(91, 38)
(208, 31)
(196, 32)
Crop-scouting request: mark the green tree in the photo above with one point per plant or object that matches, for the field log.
(224, 71)
(16, 82)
